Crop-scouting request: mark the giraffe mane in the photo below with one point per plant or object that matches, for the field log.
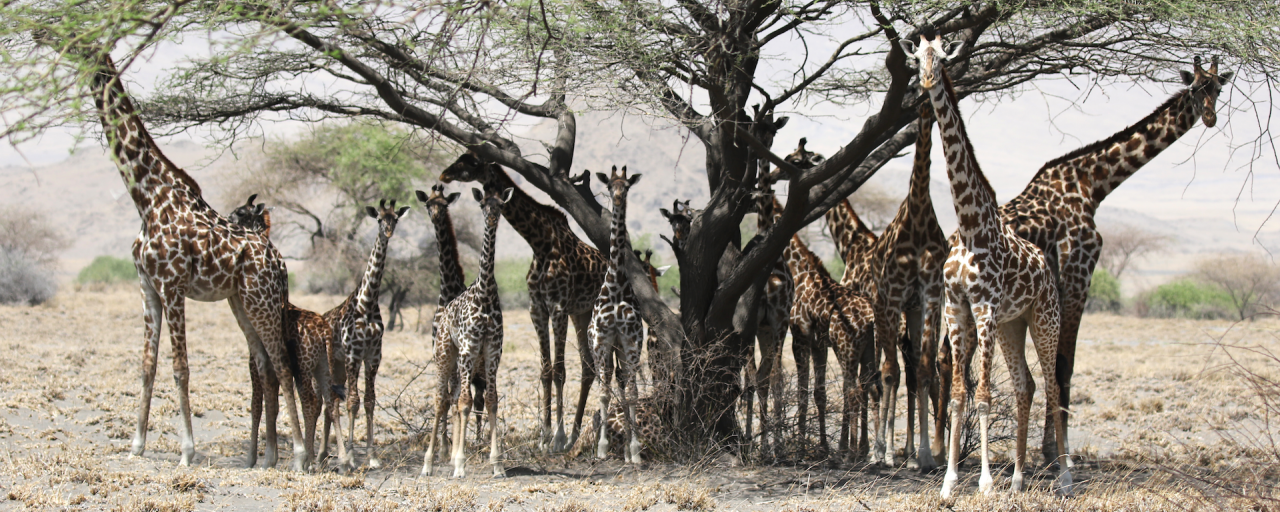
(1119, 136)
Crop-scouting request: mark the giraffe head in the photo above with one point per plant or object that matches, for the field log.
(1205, 84)
(767, 207)
(491, 202)
(931, 55)
(681, 218)
(387, 216)
(250, 216)
(437, 203)
(468, 167)
(619, 183)
(803, 158)
(654, 272)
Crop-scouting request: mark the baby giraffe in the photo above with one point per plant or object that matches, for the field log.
(306, 336)
(468, 341)
(616, 328)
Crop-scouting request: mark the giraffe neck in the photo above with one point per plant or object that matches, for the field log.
(849, 233)
(536, 222)
(147, 173)
(975, 200)
(1107, 163)
(452, 280)
(619, 244)
(367, 293)
(918, 198)
(486, 279)
(803, 263)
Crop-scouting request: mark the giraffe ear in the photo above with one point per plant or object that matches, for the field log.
(1225, 77)
(373, 212)
(780, 122)
(603, 179)
(908, 46)
(506, 194)
(956, 47)
(403, 210)
(635, 178)
(662, 270)
(422, 196)
(452, 197)
(665, 213)
(251, 198)
(1187, 77)
(257, 210)
(476, 193)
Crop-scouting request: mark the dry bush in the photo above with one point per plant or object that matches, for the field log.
(1249, 280)
(29, 247)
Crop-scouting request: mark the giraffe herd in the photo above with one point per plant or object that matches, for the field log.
(1007, 270)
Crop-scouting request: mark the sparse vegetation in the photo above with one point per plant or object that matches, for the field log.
(1184, 298)
(1104, 292)
(109, 270)
(29, 247)
(1248, 281)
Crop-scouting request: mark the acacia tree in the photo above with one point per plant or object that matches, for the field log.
(1123, 243)
(465, 70)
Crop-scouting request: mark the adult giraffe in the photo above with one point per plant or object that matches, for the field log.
(998, 285)
(564, 278)
(186, 250)
(1055, 212)
(904, 268)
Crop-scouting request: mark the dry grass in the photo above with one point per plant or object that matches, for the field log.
(1149, 395)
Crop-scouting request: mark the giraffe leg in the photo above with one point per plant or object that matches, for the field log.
(801, 349)
(776, 383)
(446, 358)
(765, 379)
(493, 359)
(353, 408)
(869, 383)
(989, 335)
(309, 395)
(910, 370)
(175, 314)
(261, 314)
(1044, 338)
(919, 372)
(257, 374)
(887, 339)
(959, 321)
(461, 415)
(539, 315)
(582, 326)
(603, 353)
(370, 401)
(559, 442)
(153, 314)
(942, 395)
(338, 375)
(1013, 338)
(272, 402)
(629, 364)
(820, 393)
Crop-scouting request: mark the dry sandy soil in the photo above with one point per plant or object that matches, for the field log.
(1150, 395)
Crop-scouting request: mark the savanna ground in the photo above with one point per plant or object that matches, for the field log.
(1155, 413)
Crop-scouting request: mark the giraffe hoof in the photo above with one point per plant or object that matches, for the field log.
(949, 484)
(139, 447)
(374, 463)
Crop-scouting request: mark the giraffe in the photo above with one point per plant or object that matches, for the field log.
(307, 336)
(1055, 211)
(903, 268)
(658, 358)
(997, 284)
(774, 320)
(357, 330)
(681, 218)
(185, 249)
(616, 330)
(823, 314)
(469, 340)
(563, 280)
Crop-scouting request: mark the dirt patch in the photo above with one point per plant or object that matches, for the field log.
(1147, 392)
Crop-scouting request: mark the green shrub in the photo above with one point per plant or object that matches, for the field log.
(510, 274)
(108, 270)
(1185, 298)
(1104, 292)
